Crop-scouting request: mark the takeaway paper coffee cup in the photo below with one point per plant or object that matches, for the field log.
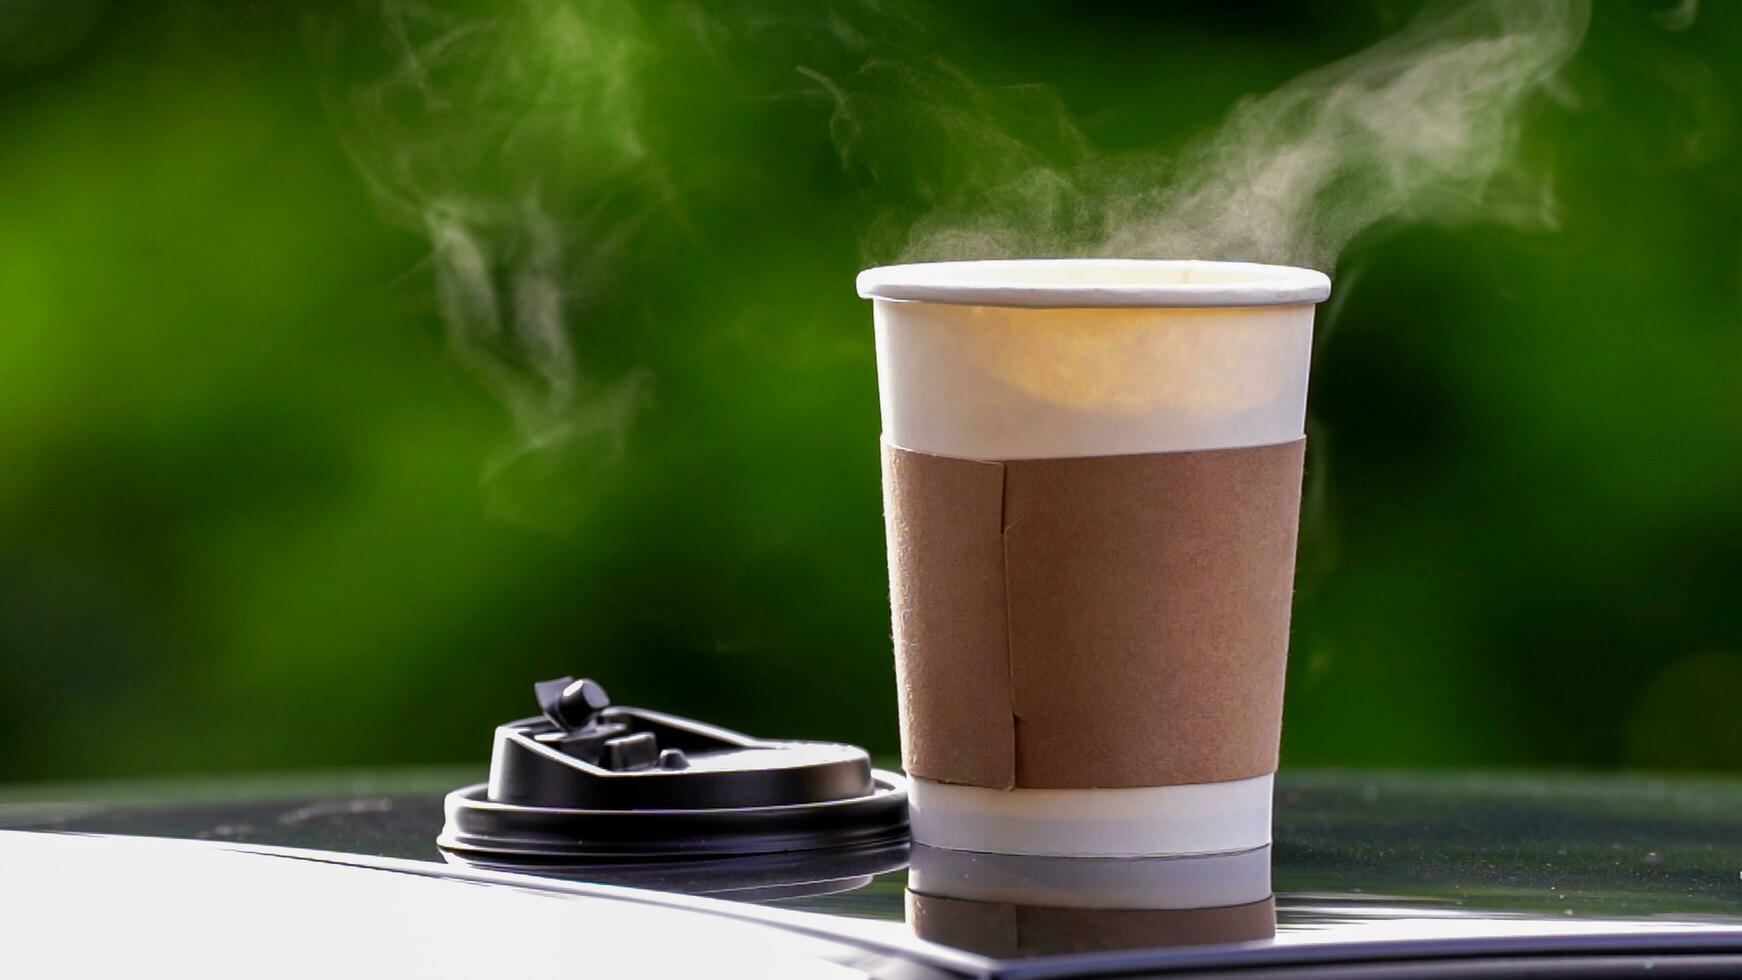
(1092, 477)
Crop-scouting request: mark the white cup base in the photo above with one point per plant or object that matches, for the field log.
(1151, 821)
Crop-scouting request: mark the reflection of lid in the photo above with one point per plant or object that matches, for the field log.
(744, 878)
(588, 781)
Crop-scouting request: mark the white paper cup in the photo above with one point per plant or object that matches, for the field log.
(1064, 358)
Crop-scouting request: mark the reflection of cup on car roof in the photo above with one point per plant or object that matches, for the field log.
(1025, 905)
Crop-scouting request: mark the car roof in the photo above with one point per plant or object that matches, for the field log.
(1416, 866)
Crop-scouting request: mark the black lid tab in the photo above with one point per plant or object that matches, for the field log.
(564, 698)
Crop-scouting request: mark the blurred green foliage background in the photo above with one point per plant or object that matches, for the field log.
(262, 504)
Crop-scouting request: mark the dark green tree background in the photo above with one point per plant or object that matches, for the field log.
(293, 471)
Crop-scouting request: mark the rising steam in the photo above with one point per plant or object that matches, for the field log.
(1420, 126)
(511, 142)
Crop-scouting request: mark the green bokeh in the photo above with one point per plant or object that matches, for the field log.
(252, 507)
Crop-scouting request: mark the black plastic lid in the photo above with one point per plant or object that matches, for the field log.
(588, 781)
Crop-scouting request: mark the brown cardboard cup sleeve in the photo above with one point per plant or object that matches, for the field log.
(1107, 621)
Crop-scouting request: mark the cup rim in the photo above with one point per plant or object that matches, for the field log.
(1044, 283)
